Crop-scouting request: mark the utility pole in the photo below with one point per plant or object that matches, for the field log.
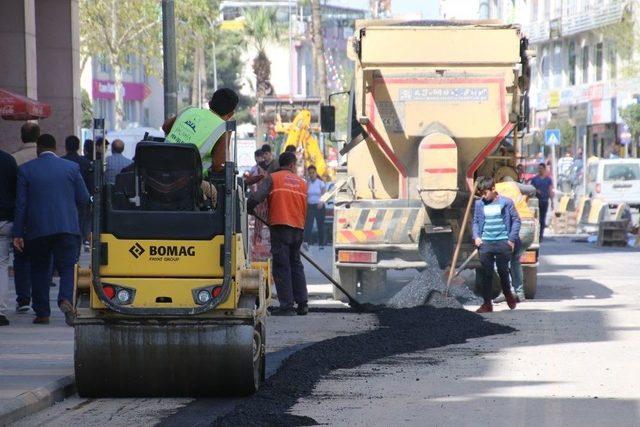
(169, 58)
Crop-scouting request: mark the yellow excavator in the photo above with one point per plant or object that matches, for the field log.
(299, 134)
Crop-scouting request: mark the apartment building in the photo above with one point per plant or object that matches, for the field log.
(578, 73)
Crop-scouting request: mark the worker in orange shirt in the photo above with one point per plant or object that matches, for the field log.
(287, 195)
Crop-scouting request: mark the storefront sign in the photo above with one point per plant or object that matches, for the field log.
(554, 99)
(104, 89)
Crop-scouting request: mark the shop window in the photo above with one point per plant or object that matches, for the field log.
(599, 62)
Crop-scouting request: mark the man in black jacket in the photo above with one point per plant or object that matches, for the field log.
(8, 177)
(72, 145)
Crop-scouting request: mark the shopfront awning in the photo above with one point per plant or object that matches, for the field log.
(18, 107)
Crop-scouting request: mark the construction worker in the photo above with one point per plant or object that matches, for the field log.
(287, 194)
(496, 226)
(205, 128)
(519, 194)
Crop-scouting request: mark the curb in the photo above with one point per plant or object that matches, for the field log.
(30, 402)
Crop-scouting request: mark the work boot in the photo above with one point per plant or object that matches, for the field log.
(487, 307)
(302, 310)
(511, 300)
(68, 310)
(41, 320)
(3, 320)
(283, 311)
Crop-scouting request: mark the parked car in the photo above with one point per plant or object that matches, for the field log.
(615, 181)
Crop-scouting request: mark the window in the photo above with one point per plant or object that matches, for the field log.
(622, 172)
(130, 111)
(572, 63)
(557, 65)
(585, 64)
(612, 62)
(103, 66)
(545, 70)
(599, 62)
(547, 9)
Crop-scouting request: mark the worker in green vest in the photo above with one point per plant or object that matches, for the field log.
(205, 128)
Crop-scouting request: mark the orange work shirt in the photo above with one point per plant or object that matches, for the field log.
(287, 200)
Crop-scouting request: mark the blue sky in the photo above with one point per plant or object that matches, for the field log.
(428, 8)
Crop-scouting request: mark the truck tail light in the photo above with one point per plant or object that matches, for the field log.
(368, 257)
(598, 188)
(529, 257)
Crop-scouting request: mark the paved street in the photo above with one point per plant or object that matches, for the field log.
(571, 361)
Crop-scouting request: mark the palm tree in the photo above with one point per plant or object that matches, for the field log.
(261, 28)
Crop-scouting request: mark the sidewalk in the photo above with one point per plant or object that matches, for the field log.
(36, 362)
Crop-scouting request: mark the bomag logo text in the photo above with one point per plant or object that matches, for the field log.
(172, 251)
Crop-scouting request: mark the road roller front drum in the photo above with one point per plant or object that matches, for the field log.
(168, 358)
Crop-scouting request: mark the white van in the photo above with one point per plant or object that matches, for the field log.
(614, 181)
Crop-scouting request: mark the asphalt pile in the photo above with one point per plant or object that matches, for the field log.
(429, 288)
(398, 331)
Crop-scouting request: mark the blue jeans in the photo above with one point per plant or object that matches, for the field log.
(63, 248)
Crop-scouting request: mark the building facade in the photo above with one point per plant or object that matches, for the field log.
(143, 103)
(39, 47)
(577, 75)
(292, 62)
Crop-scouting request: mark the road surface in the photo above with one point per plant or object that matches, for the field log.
(571, 361)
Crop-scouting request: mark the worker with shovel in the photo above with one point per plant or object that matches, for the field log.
(287, 194)
(496, 225)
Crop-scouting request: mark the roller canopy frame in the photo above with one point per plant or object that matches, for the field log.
(230, 207)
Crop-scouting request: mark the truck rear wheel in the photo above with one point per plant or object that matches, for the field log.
(530, 281)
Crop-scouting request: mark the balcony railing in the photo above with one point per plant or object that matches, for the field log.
(597, 16)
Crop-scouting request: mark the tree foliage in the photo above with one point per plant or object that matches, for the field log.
(631, 116)
(625, 37)
(260, 28)
(118, 30)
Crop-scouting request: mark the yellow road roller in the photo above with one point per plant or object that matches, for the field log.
(172, 305)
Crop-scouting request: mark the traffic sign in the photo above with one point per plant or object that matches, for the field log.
(552, 137)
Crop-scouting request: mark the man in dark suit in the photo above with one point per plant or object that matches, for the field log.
(72, 145)
(49, 191)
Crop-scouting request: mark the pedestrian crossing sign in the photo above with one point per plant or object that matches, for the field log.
(552, 137)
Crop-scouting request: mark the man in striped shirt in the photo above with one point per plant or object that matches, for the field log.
(496, 226)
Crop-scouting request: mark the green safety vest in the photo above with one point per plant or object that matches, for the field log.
(198, 126)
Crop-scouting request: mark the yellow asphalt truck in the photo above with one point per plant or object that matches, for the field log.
(171, 305)
(434, 105)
